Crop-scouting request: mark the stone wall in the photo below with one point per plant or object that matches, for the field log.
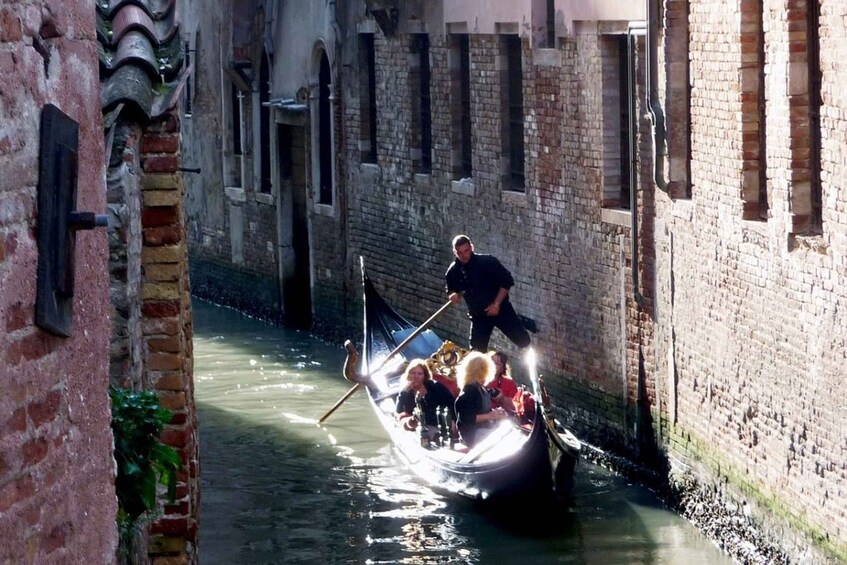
(708, 349)
(57, 499)
(167, 330)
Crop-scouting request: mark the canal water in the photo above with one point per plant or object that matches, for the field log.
(278, 488)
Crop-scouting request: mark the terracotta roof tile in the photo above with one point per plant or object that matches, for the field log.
(141, 62)
(134, 17)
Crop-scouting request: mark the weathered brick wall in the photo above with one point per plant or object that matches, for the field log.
(334, 314)
(167, 330)
(151, 317)
(749, 313)
(728, 359)
(57, 499)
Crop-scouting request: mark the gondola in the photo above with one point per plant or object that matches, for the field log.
(537, 458)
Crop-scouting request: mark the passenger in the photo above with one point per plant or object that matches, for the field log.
(477, 407)
(502, 380)
(433, 395)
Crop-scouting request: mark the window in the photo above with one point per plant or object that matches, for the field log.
(804, 99)
(367, 98)
(513, 142)
(551, 24)
(754, 188)
(815, 80)
(286, 152)
(265, 124)
(419, 79)
(619, 102)
(187, 103)
(233, 110)
(460, 105)
(325, 131)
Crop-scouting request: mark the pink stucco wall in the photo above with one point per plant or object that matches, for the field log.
(57, 499)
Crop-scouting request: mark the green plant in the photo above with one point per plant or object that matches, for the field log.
(142, 459)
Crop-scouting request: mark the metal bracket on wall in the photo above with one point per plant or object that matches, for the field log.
(58, 221)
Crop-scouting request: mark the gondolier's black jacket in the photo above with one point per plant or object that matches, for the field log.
(480, 280)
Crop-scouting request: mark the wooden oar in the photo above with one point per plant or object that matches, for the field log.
(394, 352)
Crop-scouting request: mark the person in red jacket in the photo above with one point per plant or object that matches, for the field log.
(502, 379)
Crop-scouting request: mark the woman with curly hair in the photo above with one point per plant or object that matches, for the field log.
(476, 407)
(420, 387)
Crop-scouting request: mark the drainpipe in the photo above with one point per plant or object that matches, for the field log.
(635, 30)
(657, 116)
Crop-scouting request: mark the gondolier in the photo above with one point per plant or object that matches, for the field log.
(484, 283)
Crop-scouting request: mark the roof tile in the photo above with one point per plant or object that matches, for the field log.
(141, 62)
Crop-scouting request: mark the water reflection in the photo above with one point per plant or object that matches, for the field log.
(278, 488)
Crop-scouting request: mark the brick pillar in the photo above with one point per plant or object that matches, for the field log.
(167, 330)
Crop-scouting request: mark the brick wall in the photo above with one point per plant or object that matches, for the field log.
(167, 330)
(721, 361)
(125, 241)
(151, 319)
(751, 310)
(57, 499)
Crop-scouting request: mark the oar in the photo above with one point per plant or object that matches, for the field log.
(394, 352)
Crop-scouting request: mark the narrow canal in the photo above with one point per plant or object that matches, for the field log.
(278, 488)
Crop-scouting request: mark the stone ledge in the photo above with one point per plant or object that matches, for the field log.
(463, 186)
(325, 210)
(265, 198)
(616, 216)
(514, 197)
(235, 194)
(547, 57)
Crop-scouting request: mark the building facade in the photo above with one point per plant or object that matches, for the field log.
(664, 179)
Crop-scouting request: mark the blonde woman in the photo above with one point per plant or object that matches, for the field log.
(476, 405)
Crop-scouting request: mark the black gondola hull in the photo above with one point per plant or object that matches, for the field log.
(511, 463)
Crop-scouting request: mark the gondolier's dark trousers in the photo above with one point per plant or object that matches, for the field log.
(506, 321)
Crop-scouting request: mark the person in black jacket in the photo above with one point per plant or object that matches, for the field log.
(484, 283)
(419, 386)
(477, 408)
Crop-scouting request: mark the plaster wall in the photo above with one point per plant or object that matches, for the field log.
(298, 30)
(231, 223)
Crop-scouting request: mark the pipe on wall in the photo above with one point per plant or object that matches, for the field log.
(657, 116)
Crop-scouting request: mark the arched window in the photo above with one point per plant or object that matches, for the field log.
(325, 131)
